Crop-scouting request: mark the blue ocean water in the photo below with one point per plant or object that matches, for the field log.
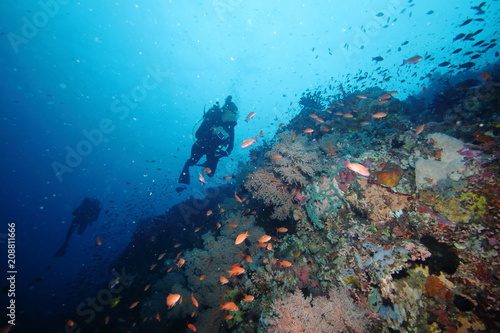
(100, 100)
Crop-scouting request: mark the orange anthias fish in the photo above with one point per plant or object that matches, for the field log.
(192, 327)
(202, 179)
(194, 300)
(223, 280)
(230, 306)
(237, 198)
(412, 60)
(247, 258)
(248, 142)
(419, 129)
(362, 96)
(133, 305)
(250, 116)
(241, 238)
(379, 115)
(98, 241)
(236, 269)
(358, 168)
(248, 298)
(160, 257)
(285, 263)
(308, 130)
(281, 229)
(180, 262)
(264, 239)
(172, 299)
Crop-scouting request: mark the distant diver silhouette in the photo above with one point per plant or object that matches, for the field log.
(215, 139)
(84, 215)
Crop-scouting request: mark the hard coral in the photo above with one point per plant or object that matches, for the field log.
(376, 202)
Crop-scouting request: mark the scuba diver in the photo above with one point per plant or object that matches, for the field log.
(214, 138)
(84, 215)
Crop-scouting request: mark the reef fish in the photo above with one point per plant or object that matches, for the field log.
(248, 298)
(358, 168)
(250, 116)
(172, 300)
(194, 300)
(419, 129)
(412, 60)
(236, 269)
(379, 115)
(241, 238)
(248, 142)
(230, 306)
(285, 263)
(264, 239)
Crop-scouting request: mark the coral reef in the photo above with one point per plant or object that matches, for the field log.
(272, 191)
(413, 247)
(322, 314)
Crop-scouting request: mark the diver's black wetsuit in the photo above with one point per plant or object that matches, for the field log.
(84, 215)
(212, 137)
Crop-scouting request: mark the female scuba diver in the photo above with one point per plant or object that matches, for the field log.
(214, 138)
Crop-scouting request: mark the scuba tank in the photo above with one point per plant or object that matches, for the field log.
(215, 106)
(196, 123)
